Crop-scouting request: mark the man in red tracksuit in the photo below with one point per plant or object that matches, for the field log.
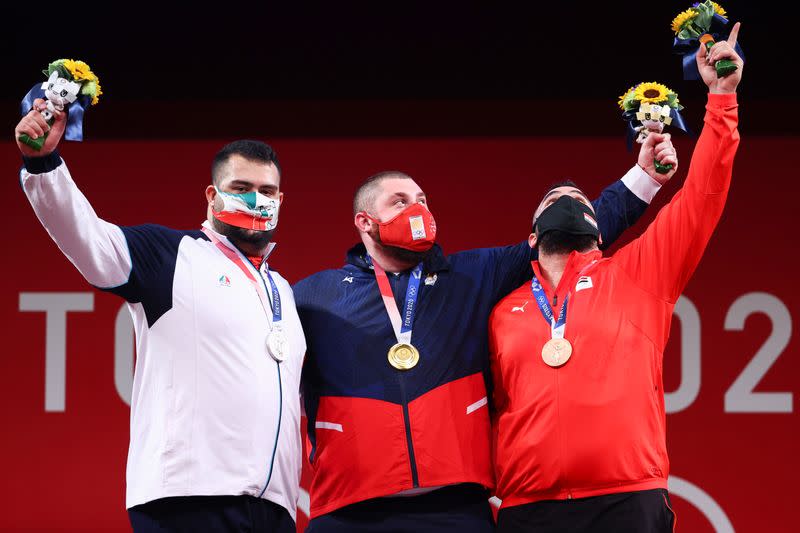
(579, 427)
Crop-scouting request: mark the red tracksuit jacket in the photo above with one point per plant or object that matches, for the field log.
(596, 425)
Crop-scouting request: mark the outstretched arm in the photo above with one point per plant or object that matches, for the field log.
(622, 203)
(619, 206)
(97, 248)
(663, 259)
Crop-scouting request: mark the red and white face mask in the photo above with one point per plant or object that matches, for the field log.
(251, 210)
(412, 229)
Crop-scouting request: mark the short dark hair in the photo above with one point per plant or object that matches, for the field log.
(566, 182)
(251, 150)
(364, 198)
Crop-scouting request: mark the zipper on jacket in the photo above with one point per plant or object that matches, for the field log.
(278, 432)
(555, 302)
(560, 433)
(412, 459)
(280, 412)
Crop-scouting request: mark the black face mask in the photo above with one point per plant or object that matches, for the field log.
(567, 215)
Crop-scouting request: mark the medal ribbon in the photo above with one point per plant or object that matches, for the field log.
(275, 305)
(402, 326)
(559, 323)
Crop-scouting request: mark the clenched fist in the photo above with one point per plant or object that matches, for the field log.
(658, 147)
(34, 125)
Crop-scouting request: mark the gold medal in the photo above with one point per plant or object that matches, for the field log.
(556, 352)
(403, 356)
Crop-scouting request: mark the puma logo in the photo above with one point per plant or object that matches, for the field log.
(520, 309)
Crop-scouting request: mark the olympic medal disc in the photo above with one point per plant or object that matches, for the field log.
(277, 345)
(556, 352)
(403, 356)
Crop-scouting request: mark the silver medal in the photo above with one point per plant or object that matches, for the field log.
(277, 344)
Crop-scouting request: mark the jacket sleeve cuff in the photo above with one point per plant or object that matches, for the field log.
(43, 164)
(722, 101)
(641, 184)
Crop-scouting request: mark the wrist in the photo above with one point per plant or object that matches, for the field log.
(42, 163)
(641, 183)
(721, 99)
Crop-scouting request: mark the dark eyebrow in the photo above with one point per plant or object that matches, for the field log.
(548, 195)
(248, 184)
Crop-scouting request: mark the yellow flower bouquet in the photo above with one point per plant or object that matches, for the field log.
(72, 87)
(648, 107)
(704, 22)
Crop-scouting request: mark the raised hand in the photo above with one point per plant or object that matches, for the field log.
(34, 125)
(721, 50)
(658, 147)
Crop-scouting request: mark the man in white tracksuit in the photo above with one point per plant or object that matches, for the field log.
(215, 411)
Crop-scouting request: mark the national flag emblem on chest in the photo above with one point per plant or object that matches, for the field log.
(584, 282)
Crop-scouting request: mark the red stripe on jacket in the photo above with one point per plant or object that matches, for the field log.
(369, 457)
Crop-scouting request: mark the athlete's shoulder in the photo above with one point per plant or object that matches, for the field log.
(279, 279)
(489, 256)
(323, 283)
(157, 232)
(518, 298)
(319, 277)
(523, 291)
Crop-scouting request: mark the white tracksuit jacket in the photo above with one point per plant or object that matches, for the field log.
(211, 413)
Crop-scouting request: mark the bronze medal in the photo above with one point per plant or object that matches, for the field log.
(556, 352)
(403, 356)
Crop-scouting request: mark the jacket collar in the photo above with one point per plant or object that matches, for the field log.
(435, 261)
(576, 263)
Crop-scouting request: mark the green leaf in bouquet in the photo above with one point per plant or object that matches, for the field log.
(688, 32)
(672, 100)
(630, 103)
(89, 88)
(705, 13)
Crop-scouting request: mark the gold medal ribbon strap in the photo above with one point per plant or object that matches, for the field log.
(402, 325)
(402, 355)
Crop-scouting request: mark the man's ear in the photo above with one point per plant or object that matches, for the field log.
(362, 222)
(533, 240)
(211, 193)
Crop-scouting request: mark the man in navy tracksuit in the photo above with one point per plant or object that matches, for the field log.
(397, 362)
